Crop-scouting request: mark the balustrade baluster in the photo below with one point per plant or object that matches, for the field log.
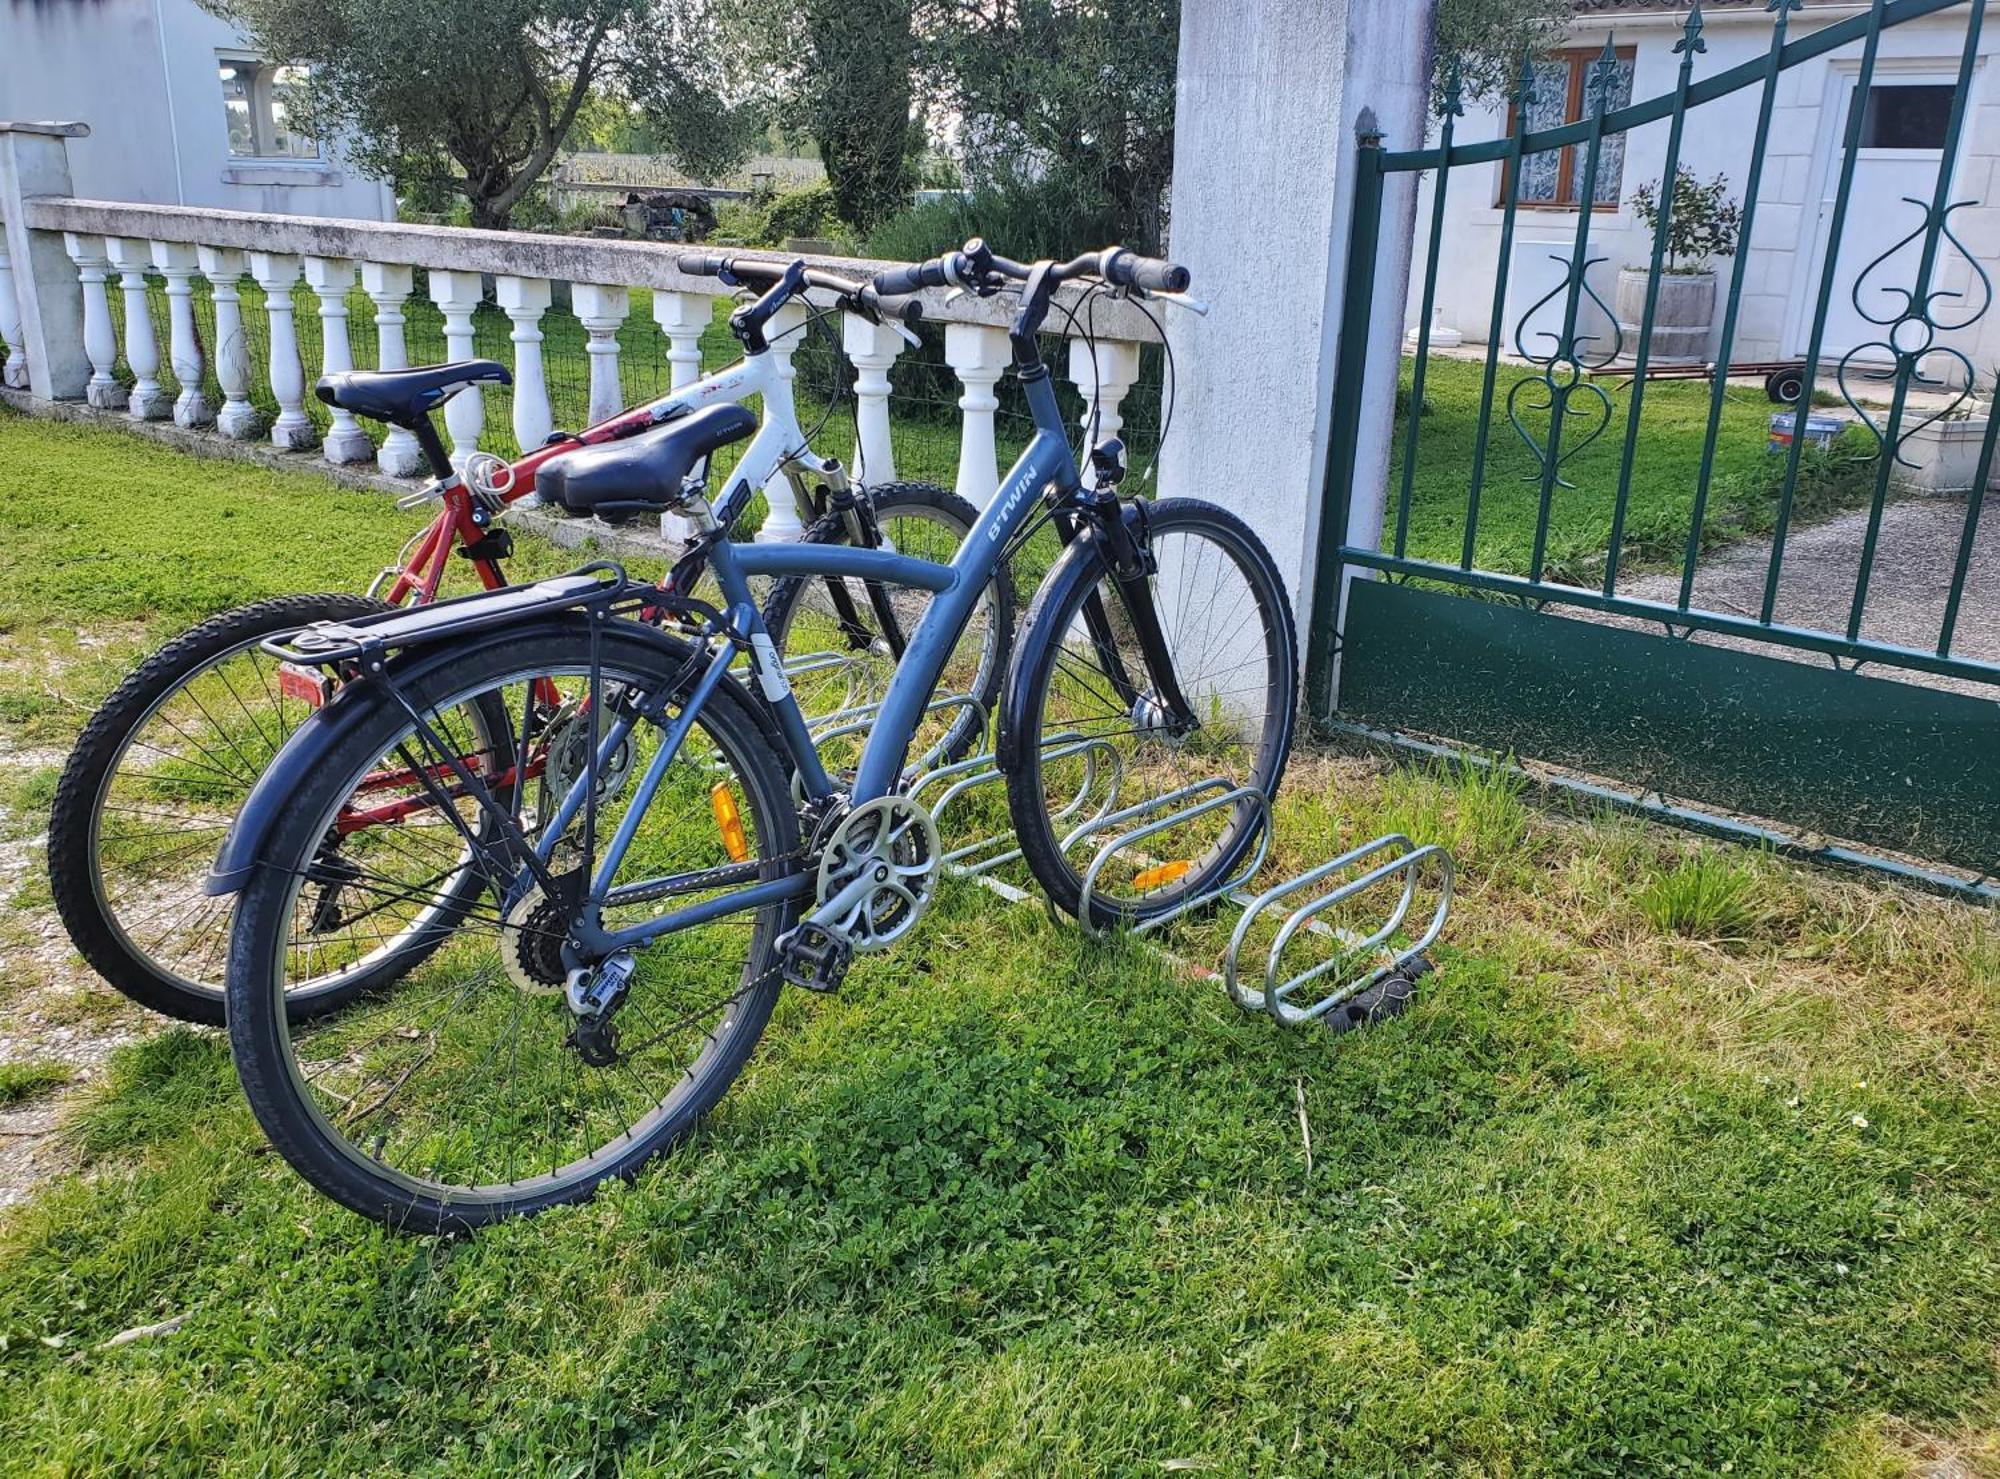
(1104, 379)
(978, 355)
(175, 261)
(130, 257)
(330, 278)
(275, 273)
(457, 296)
(388, 285)
(523, 300)
(602, 310)
(100, 337)
(682, 317)
(783, 333)
(872, 349)
(223, 267)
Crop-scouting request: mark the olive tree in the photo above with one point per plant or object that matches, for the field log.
(474, 100)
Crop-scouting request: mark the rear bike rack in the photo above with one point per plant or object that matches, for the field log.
(1360, 970)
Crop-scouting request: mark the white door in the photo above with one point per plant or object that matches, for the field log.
(1905, 117)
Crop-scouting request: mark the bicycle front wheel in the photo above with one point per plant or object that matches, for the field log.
(1093, 733)
(465, 1092)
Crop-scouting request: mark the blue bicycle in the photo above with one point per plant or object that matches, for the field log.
(642, 899)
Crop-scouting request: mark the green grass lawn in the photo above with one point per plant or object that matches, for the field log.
(1667, 461)
(1682, 1161)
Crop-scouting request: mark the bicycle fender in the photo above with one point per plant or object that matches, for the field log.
(246, 843)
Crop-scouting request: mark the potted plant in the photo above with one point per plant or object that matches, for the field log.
(1704, 224)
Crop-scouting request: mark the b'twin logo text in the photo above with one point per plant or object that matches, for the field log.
(1020, 491)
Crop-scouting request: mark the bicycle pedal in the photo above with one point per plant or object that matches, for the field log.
(814, 958)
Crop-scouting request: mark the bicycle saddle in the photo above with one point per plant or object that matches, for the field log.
(643, 473)
(405, 397)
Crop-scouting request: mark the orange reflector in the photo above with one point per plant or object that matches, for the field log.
(1161, 876)
(307, 685)
(729, 821)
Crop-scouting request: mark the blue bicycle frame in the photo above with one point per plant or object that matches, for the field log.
(956, 589)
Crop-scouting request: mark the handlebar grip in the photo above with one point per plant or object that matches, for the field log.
(702, 264)
(900, 282)
(1153, 274)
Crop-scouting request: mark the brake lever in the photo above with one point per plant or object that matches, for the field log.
(1196, 306)
(908, 334)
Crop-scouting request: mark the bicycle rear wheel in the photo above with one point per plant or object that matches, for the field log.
(463, 1092)
(152, 785)
(1090, 730)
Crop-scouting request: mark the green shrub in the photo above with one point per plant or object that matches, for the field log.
(806, 211)
(1026, 220)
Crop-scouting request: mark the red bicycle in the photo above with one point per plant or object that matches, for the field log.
(164, 764)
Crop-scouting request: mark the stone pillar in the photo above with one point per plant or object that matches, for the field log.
(388, 287)
(48, 296)
(601, 311)
(223, 267)
(457, 294)
(979, 356)
(682, 317)
(14, 372)
(523, 299)
(1104, 380)
(873, 349)
(275, 273)
(130, 257)
(330, 278)
(1269, 97)
(175, 261)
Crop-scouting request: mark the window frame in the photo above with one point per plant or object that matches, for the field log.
(262, 115)
(1579, 59)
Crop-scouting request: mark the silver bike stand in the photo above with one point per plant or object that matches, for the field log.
(977, 858)
(1362, 971)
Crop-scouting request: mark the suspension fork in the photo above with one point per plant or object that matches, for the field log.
(1126, 548)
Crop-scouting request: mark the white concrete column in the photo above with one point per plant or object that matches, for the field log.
(175, 261)
(524, 299)
(683, 317)
(14, 372)
(1104, 380)
(223, 267)
(100, 336)
(979, 356)
(781, 520)
(1261, 88)
(275, 273)
(130, 257)
(457, 295)
(330, 278)
(601, 311)
(872, 349)
(34, 163)
(388, 288)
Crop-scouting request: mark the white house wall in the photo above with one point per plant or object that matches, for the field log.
(1779, 283)
(143, 75)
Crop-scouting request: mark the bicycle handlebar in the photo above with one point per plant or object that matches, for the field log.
(864, 298)
(977, 269)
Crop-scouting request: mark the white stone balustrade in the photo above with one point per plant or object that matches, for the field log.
(176, 263)
(388, 288)
(524, 300)
(14, 370)
(602, 310)
(278, 252)
(275, 273)
(330, 278)
(130, 258)
(223, 267)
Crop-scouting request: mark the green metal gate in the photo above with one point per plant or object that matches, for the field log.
(1726, 717)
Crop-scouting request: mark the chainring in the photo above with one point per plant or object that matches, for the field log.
(893, 841)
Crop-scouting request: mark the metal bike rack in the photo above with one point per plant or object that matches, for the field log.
(1405, 863)
(983, 855)
(1357, 963)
